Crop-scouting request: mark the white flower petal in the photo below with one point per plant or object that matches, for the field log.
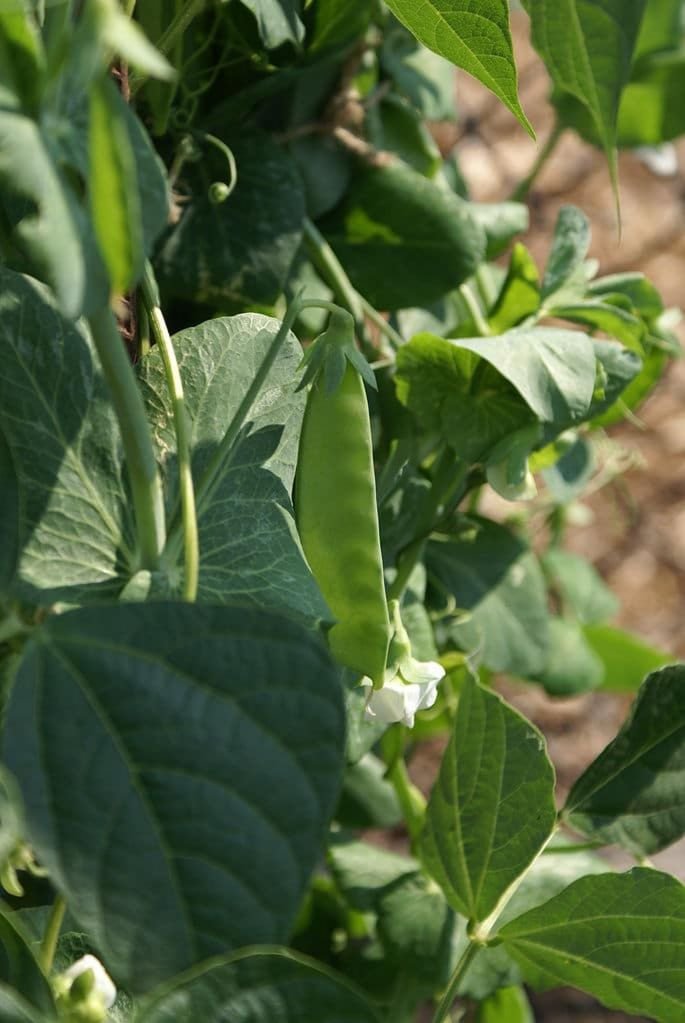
(104, 984)
(421, 672)
(396, 701)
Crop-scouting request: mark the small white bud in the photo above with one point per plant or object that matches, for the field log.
(102, 982)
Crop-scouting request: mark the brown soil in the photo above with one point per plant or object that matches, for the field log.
(636, 531)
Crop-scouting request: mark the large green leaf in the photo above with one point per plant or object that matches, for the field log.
(452, 392)
(476, 39)
(240, 249)
(15, 1009)
(588, 47)
(75, 534)
(492, 808)
(618, 936)
(19, 968)
(402, 239)
(491, 575)
(338, 22)
(634, 792)
(365, 872)
(559, 865)
(553, 370)
(416, 927)
(277, 20)
(259, 986)
(179, 765)
(10, 511)
(250, 551)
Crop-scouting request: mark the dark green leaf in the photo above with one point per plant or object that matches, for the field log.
(339, 22)
(492, 808)
(492, 576)
(396, 127)
(416, 926)
(572, 666)
(50, 231)
(560, 864)
(588, 49)
(553, 370)
(19, 968)
(250, 550)
(627, 659)
(402, 239)
(263, 986)
(241, 249)
(14, 1009)
(277, 20)
(634, 792)
(184, 758)
(368, 800)
(10, 511)
(477, 40)
(453, 393)
(325, 168)
(618, 936)
(579, 586)
(364, 872)
(75, 532)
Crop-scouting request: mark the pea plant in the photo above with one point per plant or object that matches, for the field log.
(291, 431)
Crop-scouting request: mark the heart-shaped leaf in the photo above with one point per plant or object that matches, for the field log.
(179, 765)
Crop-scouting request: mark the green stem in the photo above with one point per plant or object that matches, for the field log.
(411, 801)
(146, 486)
(475, 311)
(222, 455)
(191, 546)
(443, 1009)
(327, 263)
(393, 337)
(51, 936)
(523, 188)
(179, 24)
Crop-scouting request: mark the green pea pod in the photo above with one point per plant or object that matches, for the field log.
(335, 501)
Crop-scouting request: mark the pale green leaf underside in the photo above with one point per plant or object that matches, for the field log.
(75, 534)
(249, 548)
(618, 936)
(271, 985)
(634, 792)
(492, 808)
(179, 765)
(477, 40)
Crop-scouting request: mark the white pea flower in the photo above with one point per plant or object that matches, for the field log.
(411, 686)
(102, 984)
